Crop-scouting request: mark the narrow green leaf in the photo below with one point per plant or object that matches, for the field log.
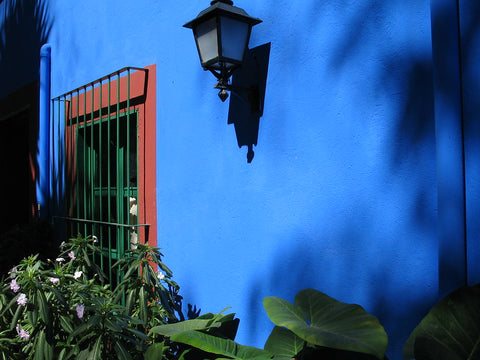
(113, 325)
(137, 333)
(187, 325)
(86, 258)
(96, 353)
(32, 316)
(62, 354)
(80, 329)
(47, 350)
(40, 341)
(121, 352)
(43, 306)
(130, 301)
(18, 312)
(60, 297)
(143, 305)
(65, 323)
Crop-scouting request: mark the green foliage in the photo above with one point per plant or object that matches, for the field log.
(65, 309)
(316, 319)
(209, 333)
(450, 330)
(224, 348)
(317, 326)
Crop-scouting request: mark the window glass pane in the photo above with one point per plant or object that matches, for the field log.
(207, 40)
(234, 38)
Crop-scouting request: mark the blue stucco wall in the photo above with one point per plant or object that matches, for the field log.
(354, 160)
(470, 43)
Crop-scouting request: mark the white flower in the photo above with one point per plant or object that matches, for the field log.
(80, 309)
(77, 274)
(62, 244)
(161, 276)
(59, 259)
(14, 286)
(71, 255)
(22, 299)
(95, 239)
(54, 280)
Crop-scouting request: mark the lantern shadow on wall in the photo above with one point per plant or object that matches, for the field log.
(222, 33)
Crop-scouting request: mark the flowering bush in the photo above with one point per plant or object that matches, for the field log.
(66, 308)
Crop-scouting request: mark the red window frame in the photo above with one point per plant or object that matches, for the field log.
(140, 88)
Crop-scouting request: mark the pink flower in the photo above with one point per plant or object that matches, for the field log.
(54, 280)
(22, 333)
(71, 255)
(12, 273)
(80, 309)
(22, 299)
(14, 286)
(77, 274)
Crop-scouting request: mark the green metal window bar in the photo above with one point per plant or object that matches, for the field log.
(96, 126)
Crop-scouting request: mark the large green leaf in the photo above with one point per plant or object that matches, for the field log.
(284, 343)
(219, 346)
(451, 330)
(155, 351)
(321, 320)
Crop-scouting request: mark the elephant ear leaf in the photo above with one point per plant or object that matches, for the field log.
(284, 344)
(321, 320)
(450, 330)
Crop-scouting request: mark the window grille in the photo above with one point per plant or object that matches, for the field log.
(99, 122)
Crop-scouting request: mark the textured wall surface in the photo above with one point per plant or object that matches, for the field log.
(343, 193)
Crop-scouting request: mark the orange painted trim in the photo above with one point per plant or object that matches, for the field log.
(148, 158)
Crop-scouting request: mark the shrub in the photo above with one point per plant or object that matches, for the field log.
(66, 309)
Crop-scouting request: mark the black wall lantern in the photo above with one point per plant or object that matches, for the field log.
(222, 33)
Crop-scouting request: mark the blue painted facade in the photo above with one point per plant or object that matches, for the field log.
(365, 182)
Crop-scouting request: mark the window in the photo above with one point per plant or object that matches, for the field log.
(109, 155)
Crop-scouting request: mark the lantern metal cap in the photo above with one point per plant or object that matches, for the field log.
(223, 7)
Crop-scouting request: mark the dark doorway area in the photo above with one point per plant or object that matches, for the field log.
(21, 233)
(15, 172)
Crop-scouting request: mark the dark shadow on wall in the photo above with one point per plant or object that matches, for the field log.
(413, 136)
(470, 30)
(24, 28)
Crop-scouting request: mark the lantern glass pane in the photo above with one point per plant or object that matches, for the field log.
(207, 40)
(234, 38)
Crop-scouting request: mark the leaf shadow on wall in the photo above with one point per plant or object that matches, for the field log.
(411, 142)
(24, 28)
